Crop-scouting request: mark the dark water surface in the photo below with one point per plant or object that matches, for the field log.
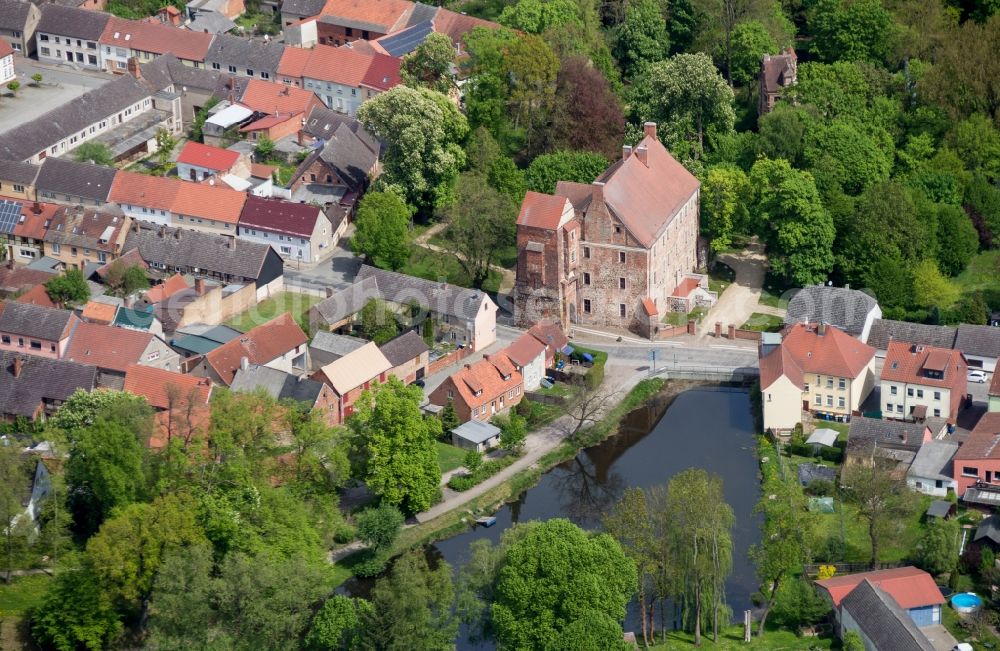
(703, 428)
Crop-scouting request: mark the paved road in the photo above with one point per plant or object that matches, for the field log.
(741, 299)
(336, 271)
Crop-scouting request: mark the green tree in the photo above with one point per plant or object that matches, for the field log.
(337, 625)
(37, 79)
(423, 131)
(937, 551)
(724, 198)
(198, 123)
(972, 308)
(379, 526)
(853, 641)
(513, 432)
(842, 152)
(165, 144)
(124, 280)
(449, 419)
(530, 69)
(412, 607)
(931, 288)
(859, 30)
(781, 132)
(397, 445)
(383, 230)
(377, 322)
(181, 607)
(480, 223)
(717, 22)
(76, 613)
(14, 481)
(13, 87)
(69, 288)
(977, 142)
(957, 239)
(321, 462)
(798, 230)
(548, 169)
(505, 177)
(839, 89)
(264, 149)
(749, 42)
(631, 524)
(473, 460)
(94, 152)
(641, 38)
(84, 407)
(882, 499)
(539, 16)
(429, 65)
(688, 97)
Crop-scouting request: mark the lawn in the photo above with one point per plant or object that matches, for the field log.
(23, 593)
(432, 265)
(449, 456)
(731, 639)
(344, 568)
(296, 303)
(763, 322)
(981, 274)
(953, 622)
(773, 298)
(720, 276)
(857, 547)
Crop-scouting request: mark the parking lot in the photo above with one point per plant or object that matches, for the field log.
(60, 84)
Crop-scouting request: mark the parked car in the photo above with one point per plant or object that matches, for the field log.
(962, 646)
(977, 376)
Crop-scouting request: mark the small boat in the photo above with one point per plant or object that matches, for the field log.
(486, 521)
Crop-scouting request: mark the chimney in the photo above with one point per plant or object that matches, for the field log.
(199, 286)
(133, 68)
(597, 192)
(329, 292)
(468, 366)
(177, 234)
(135, 227)
(244, 363)
(18, 363)
(232, 243)
(10, 263)
(821, 329)
(163, 230)
(36, 208)
(626, 151)
(642, 154)
(649, 129)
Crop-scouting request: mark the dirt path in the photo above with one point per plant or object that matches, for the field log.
(424, 240)
(742, 298)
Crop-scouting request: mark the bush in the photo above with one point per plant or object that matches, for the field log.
(835, 455)
(799, 449)
(819, 488)
(489, 468)
(373, 563)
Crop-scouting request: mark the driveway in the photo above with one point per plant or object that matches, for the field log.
(939, 637)
(336, 271)
(741, 299)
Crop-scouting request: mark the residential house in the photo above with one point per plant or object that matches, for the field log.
(994, 393)
(70, 35)
(34, 387)
(327, 347)
(164, 389)
(352, 374)
(921, 381)
(342, 21)
(112, 350)
(913, 589)
(408, 354)
(884, 331)
(27, 243)
(461, 316)
(37, 295)
(482, 389)
(851, 310)
(551, 334)
(816, 368)
(930, 472)
(211, 209)
(590, 254)
(66, 181)
(987, 534)
(206, 303)
(226, 259)
(293, 11)
(476, 435)
(244, 57)
(342, 77)
(285, 386)
(17, 179)
(893, 441)
(36, 330)
(776, 73)
(278, 109)
(18, 21)
(213, 16)
(7, 73)
(300, 232)
(15, 279)
(278, 343)
(976, 467)
(99, 311)
(879, 620)
(145, 40)
(344, 160)
(198, 162)
(196, 86)
(338, 311)
(78, 236)
(528, 355)
(980, 344)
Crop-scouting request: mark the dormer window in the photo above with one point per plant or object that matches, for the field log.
(478, 393)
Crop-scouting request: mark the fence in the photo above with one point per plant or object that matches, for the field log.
(812, 569)
(449, 359)
(744, 375)
(545, 398)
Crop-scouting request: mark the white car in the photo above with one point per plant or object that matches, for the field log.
(977, 376)
(962, 646)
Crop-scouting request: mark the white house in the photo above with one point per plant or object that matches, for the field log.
(922, 381)
(931, 470)
(70, 35)
(6, 62)
(528, 355)
(297, 231)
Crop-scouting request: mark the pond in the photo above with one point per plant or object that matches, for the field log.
(710, 428)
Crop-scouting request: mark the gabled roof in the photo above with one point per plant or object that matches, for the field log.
(524, 350)
(383, 72)
(348, 301)
(260, 345)
(302, 8)
(456, 25)
(14, 14)
(245, 53)
(107, 347)
(152, 384)
(842, 307)
(482, 381)
(278, 384)
(156, 37)
(38, 379)
(85, 227)
(882, 621)
(442, 298)
(539, 210)
(354, 369)
(322, 123)
(329, 342)
(184, 198)
(166, 289)
(907, 363)
(896, 433)
(18, 171)
(347, 152)
(404, 348)
(22, 278)
(71, 21)
(885, 330)
(269, 97)
(933, 460)
(989, 529)
(775, 68)
(804, 350)
(978, 340)
(909, 586)
(383, 16)
(48, 323)
(983, 441)
(549, 333)
(210, 253)
(98, 312)
(338, 65)
(476, 431)
(37, 295)
(65, 177)
(213, 158)
(278, 216)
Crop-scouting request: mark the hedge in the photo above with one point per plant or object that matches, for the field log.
(489, 468)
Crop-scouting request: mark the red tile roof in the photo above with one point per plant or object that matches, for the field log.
(383, 72)
(649, 306)
(259, 345)
(5, 48)
(261, 171)
(687, 286)
(156, 37)
(21, 278)
(294, 60)
(97, 312)
(213, 158)
(384, 14)
(485, 377)
(34, 224)
(130, 258)
(909, 586)
(524, 350)
(152, 383)
(804, 350)
(983, 441)
(166, 289)
(277, 216)
(550, 334)
(269, 97)
(107, 347)
(540, 210)
(36, 296)
(456, 25)
(906, 363)
(191, 199)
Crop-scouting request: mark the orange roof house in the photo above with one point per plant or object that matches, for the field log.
(112, 350)
(37, 295)
(171, 202)
(99, 312)
(208, 157)
(919, 379)
(816, 368)
(280, 343)
(285, 107)
(909, 586)
(152, 384)
(482, 389)
(146, 39)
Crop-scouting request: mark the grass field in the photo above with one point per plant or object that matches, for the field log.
(294, 302)
(23, 593)
(449, 456)
(731, 639)
(763, 322)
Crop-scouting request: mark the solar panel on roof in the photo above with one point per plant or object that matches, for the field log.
(407, 40)
(10, 212)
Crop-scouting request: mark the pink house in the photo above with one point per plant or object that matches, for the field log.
(35, 330)
(976, 466)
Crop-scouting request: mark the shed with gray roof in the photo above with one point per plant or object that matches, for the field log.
(885, 330)
(327, 347)
(404, 348)
(278, 384)
(476, 435)
(880, 621)
(931, 470)
(980, 344)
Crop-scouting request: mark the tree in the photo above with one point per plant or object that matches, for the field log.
(553, 576)
(379, 526)
(632, 526)
(165, 144)
(377, 322)
(957, 239)
(972, 308)
(412, 607)
(798, 230)
(125, 281)
(480, 223)
(883, 501)
(641, 38)
(37, 79)
(383, 230)
(337, 625)
(13, 87)
(321, 462)
(264, 149)
(180, 611)
(931, 288)
(449, 418)
(860, 30)
(94, 152)
(75, 613)
(429, 65)
(505, 177)
(85, 407)
(587, 114)
(422, 130)
(749, 42)
(718, 21)
(69, 288)
(513, 432)
(781, 132)
(587, 408)
(397, 445)
(977, 143)
(13, 483)
(530, 70)
(198, 123)
(853, 641)
(840, 151)
(548, 169)
(724, 198)
(539, 16)
(937, 551)
(687, 96)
